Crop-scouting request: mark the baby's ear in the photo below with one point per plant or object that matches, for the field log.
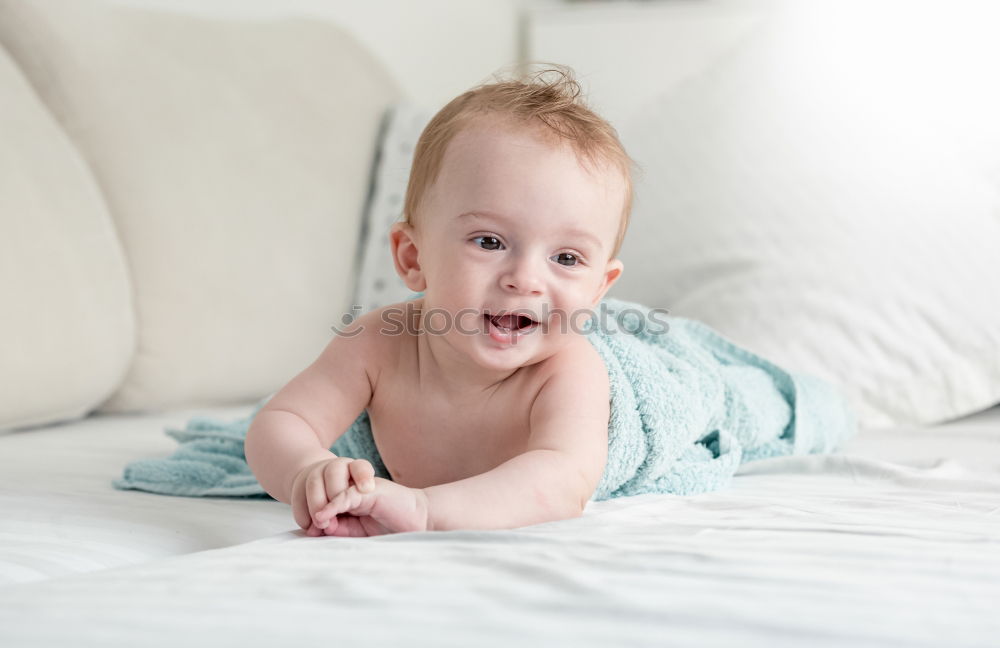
(611, 273)
(403, 242)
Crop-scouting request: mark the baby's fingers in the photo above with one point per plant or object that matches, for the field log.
(316, 491)
(331, 527)
(363, 475)
(345, 502)
(337, 477)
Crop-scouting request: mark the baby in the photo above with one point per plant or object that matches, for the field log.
(488, 405)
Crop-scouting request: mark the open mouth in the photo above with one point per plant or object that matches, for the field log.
(510, 323)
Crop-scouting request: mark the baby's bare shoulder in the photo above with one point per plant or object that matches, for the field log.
(571, 412)
(381, 332)
(578, 360)
(574, 380)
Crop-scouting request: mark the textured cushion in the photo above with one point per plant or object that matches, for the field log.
(66, 332)
(378, 283)
(834, 204)
(235, 157)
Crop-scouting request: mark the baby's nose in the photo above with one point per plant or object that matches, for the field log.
(523, 279)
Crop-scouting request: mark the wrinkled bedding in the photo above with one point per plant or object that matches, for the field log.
(893, 540)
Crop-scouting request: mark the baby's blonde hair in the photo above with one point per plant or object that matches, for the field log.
(550, 97)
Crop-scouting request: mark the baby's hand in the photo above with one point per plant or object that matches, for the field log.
(388, 508)
(318, 484)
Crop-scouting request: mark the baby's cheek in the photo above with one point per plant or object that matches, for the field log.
(470, 321)
(568, 323)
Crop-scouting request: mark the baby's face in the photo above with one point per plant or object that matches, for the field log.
(515, 224)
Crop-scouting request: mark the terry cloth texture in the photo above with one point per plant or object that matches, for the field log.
(687, 408)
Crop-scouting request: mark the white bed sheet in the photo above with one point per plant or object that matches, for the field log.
(894, 541)
(61, 516)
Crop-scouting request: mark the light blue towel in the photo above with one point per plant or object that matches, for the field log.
(687, 408)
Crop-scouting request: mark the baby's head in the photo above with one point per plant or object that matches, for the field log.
(518, 201)
(548, 103)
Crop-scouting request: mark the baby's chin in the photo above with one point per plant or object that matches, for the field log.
(524, 350)
(510, 362)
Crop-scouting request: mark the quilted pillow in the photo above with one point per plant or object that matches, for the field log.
(378, 284)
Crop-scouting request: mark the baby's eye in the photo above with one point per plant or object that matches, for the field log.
(566, 259)
(488, 242)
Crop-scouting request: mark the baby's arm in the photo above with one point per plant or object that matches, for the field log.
(297, 426)
(559, 472)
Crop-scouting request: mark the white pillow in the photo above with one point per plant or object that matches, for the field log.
(235, 156)
(813, 198)
(66, 329)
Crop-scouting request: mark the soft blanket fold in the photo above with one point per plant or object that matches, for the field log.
(687, 408)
